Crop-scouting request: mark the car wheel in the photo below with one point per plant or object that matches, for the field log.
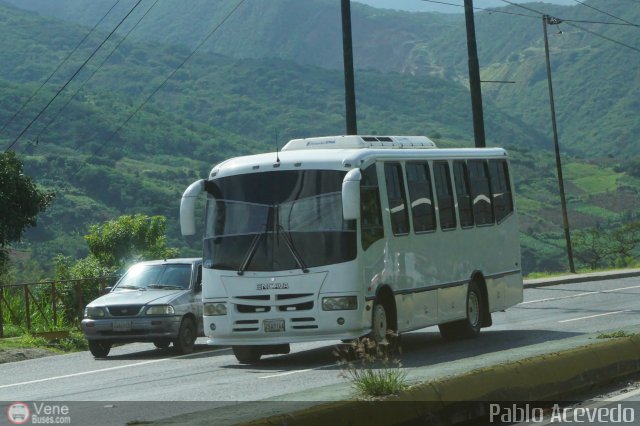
(162, 343)
(247, 354)
(186, 337)
(99, 349)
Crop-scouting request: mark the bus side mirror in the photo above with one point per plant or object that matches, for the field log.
(351, 195)
(188, 207)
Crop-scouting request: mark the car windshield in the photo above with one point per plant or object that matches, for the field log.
(274, 221)
(154, 277)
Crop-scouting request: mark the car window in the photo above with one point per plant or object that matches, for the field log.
(149, 277)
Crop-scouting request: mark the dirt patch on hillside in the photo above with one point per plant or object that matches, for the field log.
(21, 354)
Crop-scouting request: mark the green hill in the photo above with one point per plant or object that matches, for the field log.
(218, 106)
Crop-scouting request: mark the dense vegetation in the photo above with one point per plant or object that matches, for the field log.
(219, 106)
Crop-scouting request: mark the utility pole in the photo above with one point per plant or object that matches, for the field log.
(548, 20)
(474, 76)
(349, 84)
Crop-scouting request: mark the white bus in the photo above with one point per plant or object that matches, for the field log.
(346, 236)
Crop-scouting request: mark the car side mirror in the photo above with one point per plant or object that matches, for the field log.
(106, 290)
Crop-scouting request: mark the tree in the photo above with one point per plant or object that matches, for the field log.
(20, 202)
(129, 238)
(625, 240)
(592, 247)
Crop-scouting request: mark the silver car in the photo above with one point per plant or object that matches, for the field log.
(159, 301)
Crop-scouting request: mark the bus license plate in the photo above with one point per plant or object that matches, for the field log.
(122, 325)
(273, 326)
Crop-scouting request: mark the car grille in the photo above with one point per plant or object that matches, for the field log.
(124, 311)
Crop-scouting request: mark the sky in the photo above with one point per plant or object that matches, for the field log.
(424, 6)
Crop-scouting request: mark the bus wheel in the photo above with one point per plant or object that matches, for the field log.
(470, 326)
(247, 354)
(379, 325)
(383, 328)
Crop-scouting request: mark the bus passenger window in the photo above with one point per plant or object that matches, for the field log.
(480, 192)
(501, 189)
(444, 193)
(397, 198)
(461, 178)
(370, 209)
(421, 196)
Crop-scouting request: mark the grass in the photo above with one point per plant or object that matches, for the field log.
(74, 342)
(591, 178)
(614, 335)
(374, 373)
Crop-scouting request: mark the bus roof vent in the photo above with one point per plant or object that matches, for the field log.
(357, 141)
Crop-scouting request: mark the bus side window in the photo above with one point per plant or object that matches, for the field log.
(370, 209)
(421, 196)
(481, 192)
(461, 178)
(445, 195)
(397, 198)
(501, 189)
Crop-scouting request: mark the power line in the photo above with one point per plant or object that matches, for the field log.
(604, 37)
(568, 22)
(604, 12)
(157, 89)
(55, 117)
(504, 12)
(71, 78)
(480, 8)
(58, 67)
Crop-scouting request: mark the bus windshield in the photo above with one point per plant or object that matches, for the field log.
(275, 221)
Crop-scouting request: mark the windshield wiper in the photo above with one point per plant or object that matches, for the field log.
(252, 250)
(289, 242)
(133, 287)
(165, 286)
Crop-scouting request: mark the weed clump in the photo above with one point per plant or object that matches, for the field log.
(372, 367)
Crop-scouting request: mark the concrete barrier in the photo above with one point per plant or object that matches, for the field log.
(546, 377)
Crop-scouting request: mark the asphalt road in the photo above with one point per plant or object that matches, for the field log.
(139, 382)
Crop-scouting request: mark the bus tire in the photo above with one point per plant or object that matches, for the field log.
(186, 339)
(247, 354)
(470, 326)
(383, 329)
(99, 349)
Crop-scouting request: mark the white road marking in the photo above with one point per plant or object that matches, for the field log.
(588, 293)
(287, 373)
(595, 316)
(624, 396)
(102, 370)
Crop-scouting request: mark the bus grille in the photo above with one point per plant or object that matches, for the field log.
(265, 303)
(291, 303)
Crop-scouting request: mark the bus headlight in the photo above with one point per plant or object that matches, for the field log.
(343, 303)
(215, 309)
(160, 310)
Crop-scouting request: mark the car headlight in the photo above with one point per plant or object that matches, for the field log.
(94, 312)
(160, 310)
(215, 309)
(343, 303)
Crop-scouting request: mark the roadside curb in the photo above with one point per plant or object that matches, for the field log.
(578, 278)
(546, 377)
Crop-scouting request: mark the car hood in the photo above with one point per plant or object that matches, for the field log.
(137, 297)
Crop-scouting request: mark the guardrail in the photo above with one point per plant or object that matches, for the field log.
(48, 303)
